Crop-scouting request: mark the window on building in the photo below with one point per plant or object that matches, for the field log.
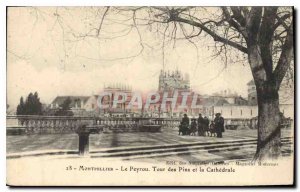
(251, 112)
(241, 112)
(231, 112)
(93, 106)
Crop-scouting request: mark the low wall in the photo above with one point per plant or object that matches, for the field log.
(66, 124)
(236, 123)
(59, 124)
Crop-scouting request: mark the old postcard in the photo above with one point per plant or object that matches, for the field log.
(150, 96)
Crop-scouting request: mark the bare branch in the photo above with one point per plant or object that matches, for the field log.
(285, 57)
(253, 24)
(233, 23)
(214, 35)
(100, 25)
(281, 21)
(237, 15)
(265, 38)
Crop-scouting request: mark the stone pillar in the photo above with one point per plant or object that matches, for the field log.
(83, 135)
(83, 144)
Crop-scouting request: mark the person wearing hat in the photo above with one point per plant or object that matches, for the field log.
(219, 124)
(185, 124)
(200, 125)
(206, 126)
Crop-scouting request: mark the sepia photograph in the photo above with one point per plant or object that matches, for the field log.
(150, 96)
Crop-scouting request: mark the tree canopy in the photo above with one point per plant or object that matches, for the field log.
(31, 106)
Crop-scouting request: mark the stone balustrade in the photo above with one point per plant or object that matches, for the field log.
(66, 124)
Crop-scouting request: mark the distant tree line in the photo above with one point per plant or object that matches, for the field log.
(33, 106)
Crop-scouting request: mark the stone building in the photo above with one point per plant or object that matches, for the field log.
(171, 80)
(77, 103)
(252, 95)
(92, 105)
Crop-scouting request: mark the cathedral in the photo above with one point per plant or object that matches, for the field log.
(172, 80)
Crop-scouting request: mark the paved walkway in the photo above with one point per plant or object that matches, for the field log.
(26, 143)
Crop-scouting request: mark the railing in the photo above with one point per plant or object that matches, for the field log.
(252, 123)
(66, 124)
(234, 123)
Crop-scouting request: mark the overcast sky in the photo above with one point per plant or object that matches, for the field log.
(43, 57)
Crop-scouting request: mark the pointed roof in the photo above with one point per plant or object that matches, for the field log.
(74, 99)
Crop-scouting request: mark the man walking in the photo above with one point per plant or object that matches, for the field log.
(185, 124)
(219, 124)
(200, 125)
(205, 125)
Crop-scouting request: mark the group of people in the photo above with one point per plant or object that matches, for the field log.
(202, 126)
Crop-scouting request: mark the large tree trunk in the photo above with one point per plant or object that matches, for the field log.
(268, 143)
(268, 140)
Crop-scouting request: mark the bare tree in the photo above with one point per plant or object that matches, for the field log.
(265, 35)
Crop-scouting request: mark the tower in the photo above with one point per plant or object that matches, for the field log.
(173, 80)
